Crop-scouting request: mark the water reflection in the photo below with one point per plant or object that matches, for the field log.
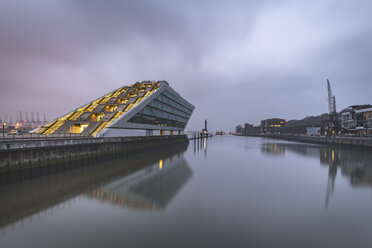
(200, 145)
(26, 202)
(353, 163)
(273, 148)
(149, 189)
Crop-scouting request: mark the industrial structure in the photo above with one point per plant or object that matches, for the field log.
(355, 120)
(333, 125)
(142, 109)
(22, 124)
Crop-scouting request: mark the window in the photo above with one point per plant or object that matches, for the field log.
(165, 110)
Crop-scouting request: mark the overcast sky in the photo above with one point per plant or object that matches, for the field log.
(236, 61)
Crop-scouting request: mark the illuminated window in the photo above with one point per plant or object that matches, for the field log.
(110, 108)
(123, 100)
(78, 128)
(96, 117)
(132, 94)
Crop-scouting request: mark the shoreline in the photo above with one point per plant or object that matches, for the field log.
(330, 140)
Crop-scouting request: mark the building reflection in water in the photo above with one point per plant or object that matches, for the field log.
(200, 145)
(273, 148)
(352, 162)
(153, 178)
(149, 189)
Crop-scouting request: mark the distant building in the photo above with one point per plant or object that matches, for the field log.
(272, 125)
(311, 131)
(238, 129)
(247, 125)
(305, 130)
(357, 118)
(250, 129)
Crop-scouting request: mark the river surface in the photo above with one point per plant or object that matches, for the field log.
(224, 192)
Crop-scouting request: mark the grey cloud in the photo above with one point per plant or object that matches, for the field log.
(237, 61)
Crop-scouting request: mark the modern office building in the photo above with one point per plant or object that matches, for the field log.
(272, 125)
(147, 108)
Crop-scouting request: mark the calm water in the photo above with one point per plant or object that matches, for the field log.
(227, 192)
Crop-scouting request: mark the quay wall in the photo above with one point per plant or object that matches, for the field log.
(30, 154)
(24, 202)
(329, 140)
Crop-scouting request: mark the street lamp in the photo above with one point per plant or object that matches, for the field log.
(4, 124)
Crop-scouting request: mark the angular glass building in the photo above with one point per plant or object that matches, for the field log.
(147, 108)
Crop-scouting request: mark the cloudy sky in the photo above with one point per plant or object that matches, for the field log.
(236, 61)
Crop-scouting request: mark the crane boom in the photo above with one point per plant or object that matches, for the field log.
(334, 125)
(331, 99)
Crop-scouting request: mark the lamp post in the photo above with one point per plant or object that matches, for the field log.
(4, 124)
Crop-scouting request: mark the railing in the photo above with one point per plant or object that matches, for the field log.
(36, 136)
(41, 137)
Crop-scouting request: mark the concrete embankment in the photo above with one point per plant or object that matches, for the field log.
(51, 193)
(330, 140)
(22, 155)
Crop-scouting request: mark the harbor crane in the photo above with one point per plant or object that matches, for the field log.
(334, 124)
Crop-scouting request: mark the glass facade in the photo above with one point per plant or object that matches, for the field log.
(165, 110)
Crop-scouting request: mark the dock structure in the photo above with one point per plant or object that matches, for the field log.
(24, 157)
(325, 140)
(55, 192)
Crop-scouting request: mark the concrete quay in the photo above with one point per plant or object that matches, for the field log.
(32, 199)
(28, 154)
(328, 140)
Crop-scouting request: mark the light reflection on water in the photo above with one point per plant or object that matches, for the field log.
(247, 192)
(352, 162)
(149, 189)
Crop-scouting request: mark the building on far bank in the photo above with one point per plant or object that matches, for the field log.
(250, 129)
(272, 125)
(302, 130)
(142, 109)
(238, 129)
(357, 118)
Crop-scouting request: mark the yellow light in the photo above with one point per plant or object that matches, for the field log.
(78, 128)
(333, 155)
(160, 164)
